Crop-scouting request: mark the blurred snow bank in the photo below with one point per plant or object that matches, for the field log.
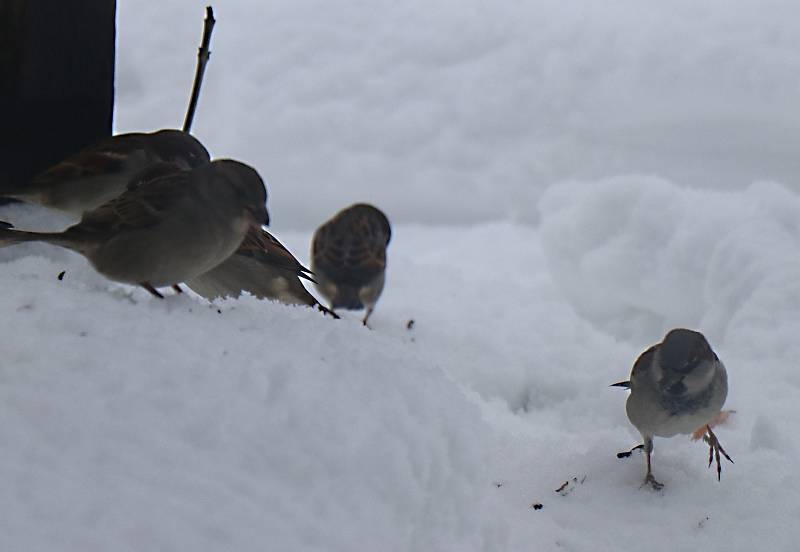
(638, 255)
(458, 112)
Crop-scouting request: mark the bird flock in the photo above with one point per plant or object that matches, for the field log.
(156, 211)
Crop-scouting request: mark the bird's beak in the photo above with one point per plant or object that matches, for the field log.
(265, 220)
(625, 384)
(258, 217)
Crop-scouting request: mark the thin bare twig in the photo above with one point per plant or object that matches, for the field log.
(203, 55)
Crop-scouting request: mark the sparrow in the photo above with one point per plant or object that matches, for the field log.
(676, 386)
(348, 258)
(166, 229)
(263, 267)
(101, 172)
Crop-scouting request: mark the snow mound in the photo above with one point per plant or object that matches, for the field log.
(180, 425)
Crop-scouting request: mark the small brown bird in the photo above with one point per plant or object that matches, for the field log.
(101, 172)
(677, 386)
(348, 258)
(263, 267)
(168, 229)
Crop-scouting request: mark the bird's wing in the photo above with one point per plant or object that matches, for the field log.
(141, 206)
(151, 172)
(261, 245)
(107, 156)
(643, 363)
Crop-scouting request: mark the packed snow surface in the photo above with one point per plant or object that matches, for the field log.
(566, 182)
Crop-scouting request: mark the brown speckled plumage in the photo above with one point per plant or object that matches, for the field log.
(263, 267)
(348, 257)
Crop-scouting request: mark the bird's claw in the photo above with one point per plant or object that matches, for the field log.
(651, 481)
(714, 450)
(627, 453)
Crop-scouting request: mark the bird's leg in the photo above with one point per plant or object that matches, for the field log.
(649, 479)
(151, 289)
(177, 288)
(627, 453)
(719, 419)
(366, 316)
(714, 448)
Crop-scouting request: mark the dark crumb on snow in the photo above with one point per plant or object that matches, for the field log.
(410, 324)
(537, 505)
(61, 275)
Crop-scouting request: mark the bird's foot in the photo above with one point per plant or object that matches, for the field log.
(627, 453)
(719, 419)
(177, 288)
(651, 481)
(714, 450)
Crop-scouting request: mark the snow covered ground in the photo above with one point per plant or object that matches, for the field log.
(566, 183)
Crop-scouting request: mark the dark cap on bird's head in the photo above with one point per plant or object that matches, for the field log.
(179, 147)
(683, 349)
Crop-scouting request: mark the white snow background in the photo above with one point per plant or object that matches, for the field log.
(566, 182)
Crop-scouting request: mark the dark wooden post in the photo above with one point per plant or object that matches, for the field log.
(56, 82)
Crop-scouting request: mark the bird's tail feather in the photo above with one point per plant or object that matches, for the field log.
(347, 298)
(11, 237)
(325, 310)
